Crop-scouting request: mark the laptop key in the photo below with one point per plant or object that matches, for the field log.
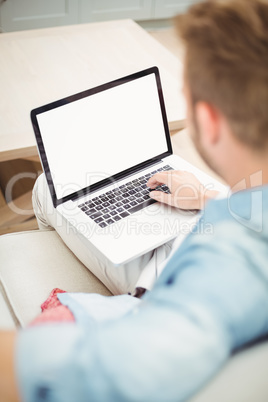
(167, 168)
(124, 214)
(142, 205)
(98, 220)
(117, 218)
(102, 224)
(96, 215)
(110, 221)
(144, 186)
(165, 189)
(91, 211)
(130, 186)
(90, 204)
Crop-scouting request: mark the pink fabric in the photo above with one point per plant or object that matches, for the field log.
(53, 310)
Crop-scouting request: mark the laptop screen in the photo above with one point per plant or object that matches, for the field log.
(100, 133)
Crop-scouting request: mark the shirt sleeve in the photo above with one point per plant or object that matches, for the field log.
(166, 348)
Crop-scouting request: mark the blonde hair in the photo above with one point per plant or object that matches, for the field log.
(226, 65)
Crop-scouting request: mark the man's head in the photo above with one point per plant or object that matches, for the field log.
(226, 66)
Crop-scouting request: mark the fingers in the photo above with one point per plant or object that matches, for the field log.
(162, 197)
(186, 190)
(158, 179)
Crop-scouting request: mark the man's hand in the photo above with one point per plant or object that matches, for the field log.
(8, 387)
(186, 190)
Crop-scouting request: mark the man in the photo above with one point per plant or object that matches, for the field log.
(212, 295)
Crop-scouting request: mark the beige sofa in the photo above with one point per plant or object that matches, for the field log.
(33, 263)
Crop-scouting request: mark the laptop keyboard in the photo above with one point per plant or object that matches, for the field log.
(122, 201)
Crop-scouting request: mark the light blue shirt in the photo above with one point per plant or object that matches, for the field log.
(211, 299)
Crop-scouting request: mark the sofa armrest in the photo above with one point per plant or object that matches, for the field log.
(7, 321)
(32, 264)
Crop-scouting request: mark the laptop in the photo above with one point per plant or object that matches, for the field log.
(98, 149)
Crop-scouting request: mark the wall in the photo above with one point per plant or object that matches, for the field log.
(18, 15)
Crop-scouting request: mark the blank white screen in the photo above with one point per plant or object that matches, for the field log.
(102, 134)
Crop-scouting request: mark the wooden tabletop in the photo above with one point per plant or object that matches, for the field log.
(40, 66)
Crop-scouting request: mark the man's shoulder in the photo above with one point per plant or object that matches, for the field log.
(244, 208)
(230, 231)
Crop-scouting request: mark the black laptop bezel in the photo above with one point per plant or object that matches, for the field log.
(53, 105)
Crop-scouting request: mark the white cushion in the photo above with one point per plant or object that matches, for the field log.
(32, 264)
(243, 379)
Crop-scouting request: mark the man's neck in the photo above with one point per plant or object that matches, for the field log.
(248, 172)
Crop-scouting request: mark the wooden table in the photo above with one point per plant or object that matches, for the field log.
(40, 66)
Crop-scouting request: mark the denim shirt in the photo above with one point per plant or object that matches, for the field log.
(211, 299)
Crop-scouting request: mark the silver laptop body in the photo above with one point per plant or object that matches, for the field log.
(98, 149)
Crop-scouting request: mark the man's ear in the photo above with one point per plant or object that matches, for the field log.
(208, 120)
